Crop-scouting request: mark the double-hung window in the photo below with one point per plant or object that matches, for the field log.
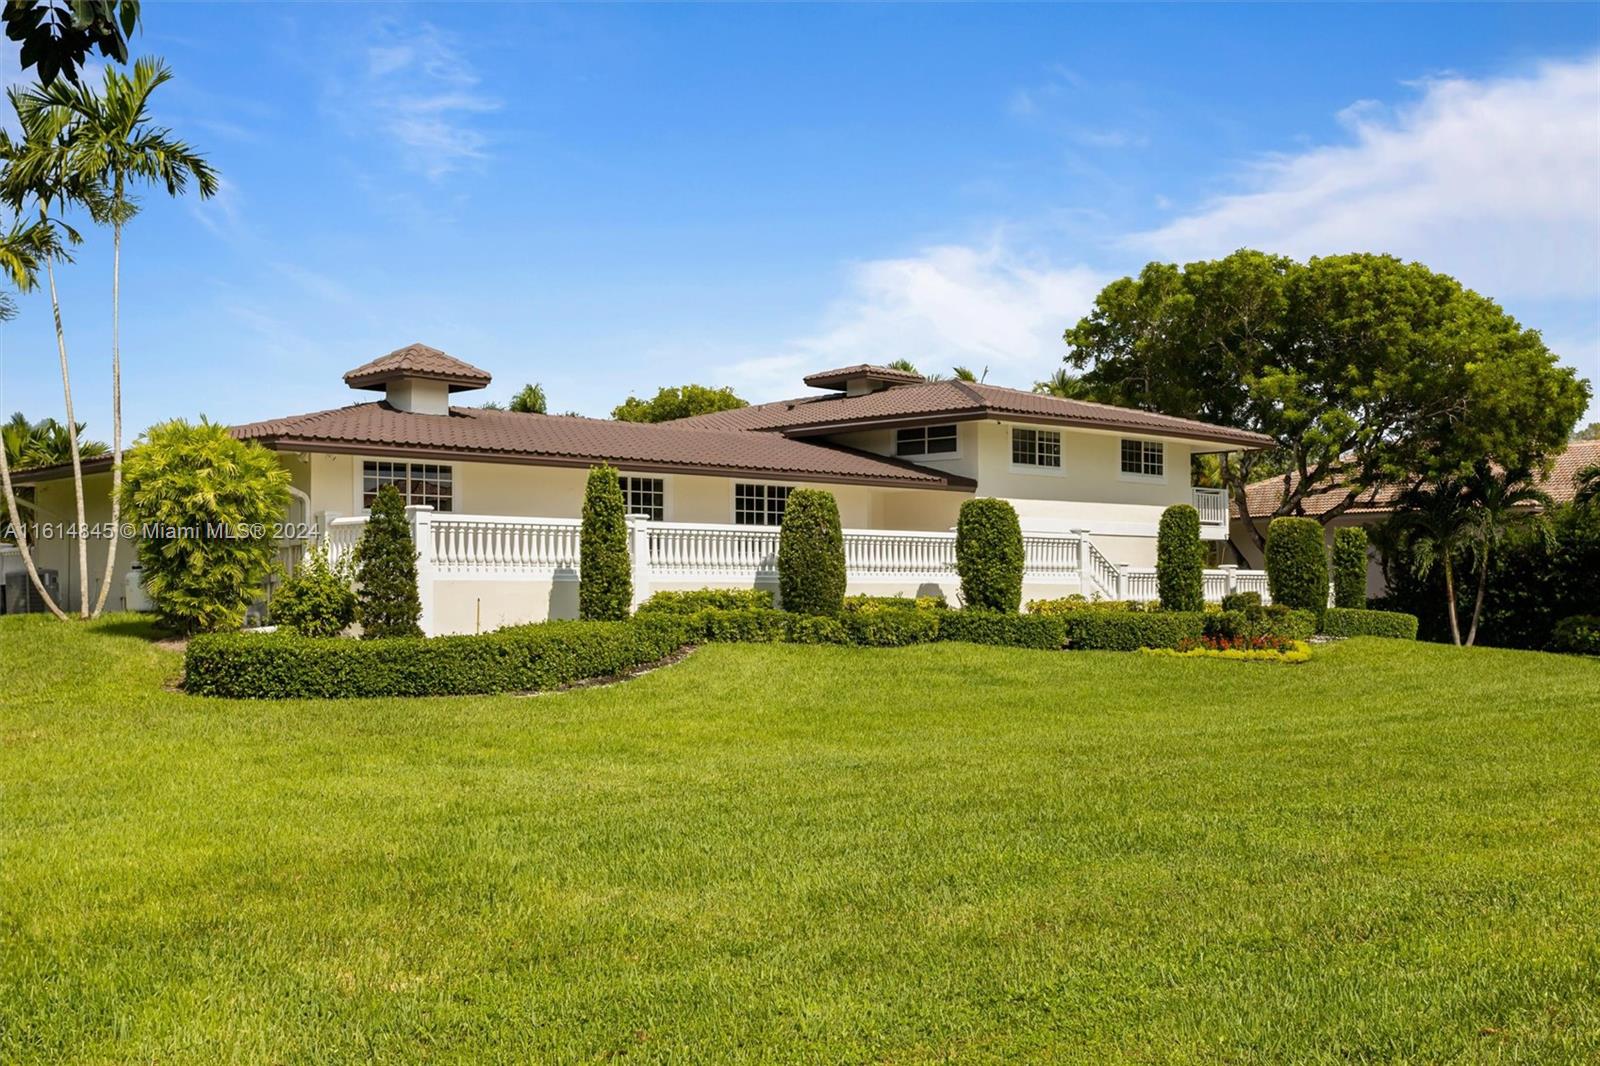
(759, 505)
(646, 496)
(1039, 448)
(1144, 458)
(926, 440)
(432, 484)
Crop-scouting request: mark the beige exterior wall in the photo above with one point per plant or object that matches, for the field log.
(1252, 556)
(57, 506)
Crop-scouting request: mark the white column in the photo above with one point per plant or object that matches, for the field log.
(639, 555)
(1231, 573)
(421, 516)
(1122, 581)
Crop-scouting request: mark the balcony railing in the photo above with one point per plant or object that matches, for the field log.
(1212, 505)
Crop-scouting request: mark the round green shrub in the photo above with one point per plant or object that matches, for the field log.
(989, 555)
(317, 600)
(1238, 601)
(811, 554)
(1579, 634)
(605, 573)
(208, 505)
(387, 602)
(1180, 560)
(1350, 567)
(1297, 564)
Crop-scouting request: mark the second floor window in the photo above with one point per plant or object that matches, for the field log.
(1144, 458)
(926, 440)
(646, 496)
(432, 484)
(1036, 447)
(759, 505)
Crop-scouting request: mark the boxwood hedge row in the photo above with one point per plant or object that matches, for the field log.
(1359, 622)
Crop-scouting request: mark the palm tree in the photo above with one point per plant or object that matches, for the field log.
(1062, 384)
(1500, 500)
(38, 176)
(1588, 482)
(112, 143)
(1435, 526)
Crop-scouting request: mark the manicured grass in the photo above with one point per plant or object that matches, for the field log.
(808, 854)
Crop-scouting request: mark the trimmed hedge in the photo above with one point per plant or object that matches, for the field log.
(816, 629)
(1092, 630)
(1258, 621)
(1359, 622)
(1297, 564)
(605, 573)
(689, 601)
(1350, 567)
(519, 659)
(892, 628)
(1238, 601)
(1578, 635)
(1180, 559)
(1077, 602)
(974, 626)
(893, 603)
(811, 553)
(989, 555)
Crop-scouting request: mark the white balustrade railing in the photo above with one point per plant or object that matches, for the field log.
(683, 550)
(1102, 576)
(891, 553)
(494, 546)
(1051, 556)
(1216, 584)
(1212, 505)
(1139, 583)
(341, 536)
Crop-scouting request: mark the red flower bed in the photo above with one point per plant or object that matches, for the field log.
(1266, 642)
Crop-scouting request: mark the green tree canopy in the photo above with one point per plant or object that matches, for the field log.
(1366, 370)
(677, 401)
(529, 400)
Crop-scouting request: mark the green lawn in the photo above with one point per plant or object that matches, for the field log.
(808, 854)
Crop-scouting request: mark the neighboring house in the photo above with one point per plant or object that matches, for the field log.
(1374, 505)
(900, 454)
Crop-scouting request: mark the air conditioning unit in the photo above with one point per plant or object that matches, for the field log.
(23, 598)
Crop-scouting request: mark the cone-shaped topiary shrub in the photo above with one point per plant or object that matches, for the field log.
(1180, 560)
(1297, 564)
(811, 554)
(1350, 567)
(387, 603)
(605, 577)
(989, 555)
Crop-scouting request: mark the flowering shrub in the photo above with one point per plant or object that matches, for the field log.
(1243, 642)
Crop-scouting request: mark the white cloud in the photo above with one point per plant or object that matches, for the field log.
(1496, 181)
(950, 304)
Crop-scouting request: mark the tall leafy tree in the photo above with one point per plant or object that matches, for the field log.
(529, 400)
(112, 143)
(58, 35)
(1367, 370)
(1588, 484)
(676, 402)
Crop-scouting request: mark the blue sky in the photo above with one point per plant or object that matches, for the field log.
(610, 199)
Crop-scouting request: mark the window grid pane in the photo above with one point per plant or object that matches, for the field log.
(1146, 458)
(646, 496)
(911, 442)
(759, 505)
(432, 485)
(941, 439)
(375, 475)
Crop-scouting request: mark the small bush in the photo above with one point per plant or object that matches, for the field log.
(1180, 559)
(317, 600)
(1297, 564)
(688, 601)
(751, 625)
(892, 628)
(1264, 649)
(989, 555)
(1007, 628)
(520, 659)
(1359, 622)
(605, 573)
(1075, 602)
(1350, 567)
(387, 602)
(867, 604)
(811, 554)
(1238, 601)
(1130, 630)
(815, 629)
(1256, 622)
(1578, 635)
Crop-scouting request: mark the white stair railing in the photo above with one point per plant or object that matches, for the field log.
(1102, 577)
(1212, 505)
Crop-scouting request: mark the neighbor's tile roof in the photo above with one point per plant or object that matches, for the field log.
(505, 436)
(963, 399)
(417, 361)
(1264, 496)
(830, 379)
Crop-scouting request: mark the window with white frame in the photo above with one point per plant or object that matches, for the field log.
(646, 496)
(432, 484)
(1036, 447)
(926, 440)
(759, 505)
(1144, 458)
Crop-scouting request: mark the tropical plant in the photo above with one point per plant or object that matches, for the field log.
(112, 143)
(1433, 530)
(1297, 564)
(387, 600)
(1063, 384)
(989, 555)
(1350, 567)
(1180, 559)
(905, 366)
(676, 402)
(811, 574)
(605, 577)
(208, 505)
(316, 600)
(31, 445)
(1588, 486)
(1499, 502)
(529, 400)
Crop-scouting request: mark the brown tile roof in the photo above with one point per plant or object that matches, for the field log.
(962, 400)
(417, 361)
(1264, 496)
(836, 379)
(377, 428)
